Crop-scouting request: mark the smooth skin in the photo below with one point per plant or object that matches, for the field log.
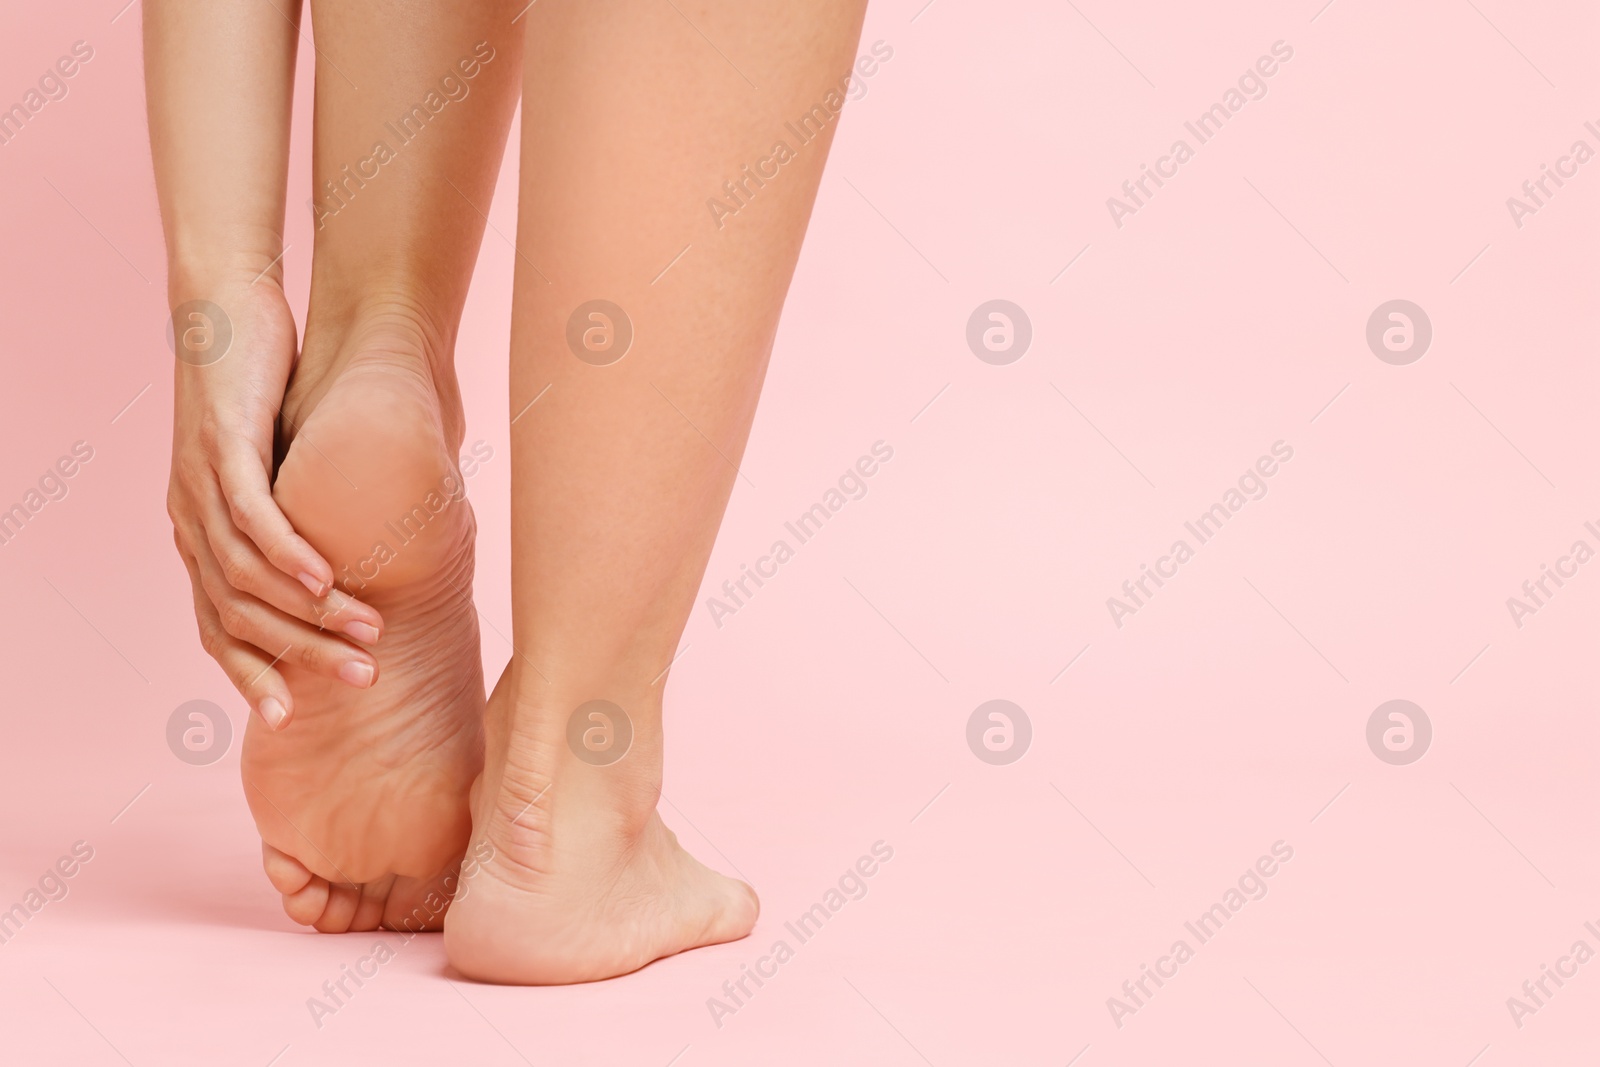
(362, 804)
(219, 82)
(632, 119)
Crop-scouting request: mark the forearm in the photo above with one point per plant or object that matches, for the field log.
(219, 83)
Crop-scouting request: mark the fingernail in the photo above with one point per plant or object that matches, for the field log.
(364, 632)
(272, 712)
(316, 585)
(361, 675)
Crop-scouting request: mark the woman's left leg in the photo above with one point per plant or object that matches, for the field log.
(633, 125)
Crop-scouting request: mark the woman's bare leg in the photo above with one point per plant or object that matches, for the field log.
(361, 797)
(632, 121)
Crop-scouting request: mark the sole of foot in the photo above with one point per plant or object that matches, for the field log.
(361, 797)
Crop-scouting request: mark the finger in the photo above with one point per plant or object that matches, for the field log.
(248, 492)
(342, 612)
(243, 567)
(249, 669)
(247, 619)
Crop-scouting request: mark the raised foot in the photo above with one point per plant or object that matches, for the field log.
(361, 798)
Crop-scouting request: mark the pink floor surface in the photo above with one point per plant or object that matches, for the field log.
(1173, 746)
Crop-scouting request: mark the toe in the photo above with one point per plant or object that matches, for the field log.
(341, 910)
(414, 906)
(369, 910)
(287, 874)
(307, 904)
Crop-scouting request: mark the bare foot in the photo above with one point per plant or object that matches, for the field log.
(579, 878)
(361, 797)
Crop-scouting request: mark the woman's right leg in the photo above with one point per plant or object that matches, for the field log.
(632, 121)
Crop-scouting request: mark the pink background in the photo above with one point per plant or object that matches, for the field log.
(1223, 717)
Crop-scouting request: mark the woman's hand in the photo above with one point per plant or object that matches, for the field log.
(262, 595)
(219, 86)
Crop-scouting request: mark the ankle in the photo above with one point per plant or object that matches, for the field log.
(556, 759)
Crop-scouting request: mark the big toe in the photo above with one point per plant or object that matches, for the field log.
(305, 895)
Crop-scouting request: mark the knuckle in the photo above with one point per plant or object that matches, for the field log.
(208, 435)
(247, 679)
(234, 617)
(214, 589)
(236, 569)
(241, 504)
(314, 657)
(212, 639)
(194, 468)
(329, 611)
